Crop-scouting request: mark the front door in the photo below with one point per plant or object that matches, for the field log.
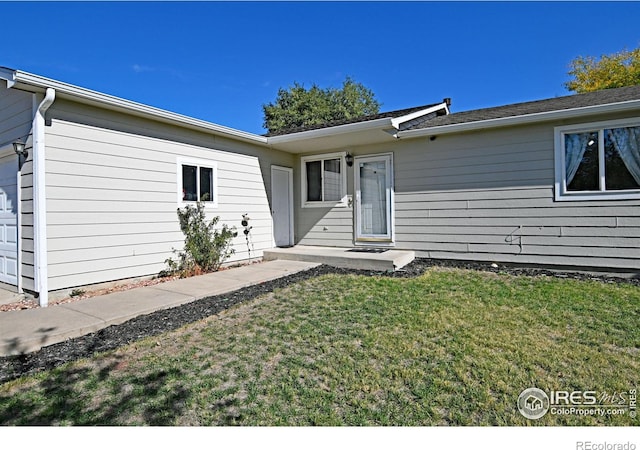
(374, 199)
(282, 205)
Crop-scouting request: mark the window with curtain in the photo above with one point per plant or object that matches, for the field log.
(600, 162)
(323, 180)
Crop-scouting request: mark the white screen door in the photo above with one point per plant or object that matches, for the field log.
(374, 198)
(282, 205)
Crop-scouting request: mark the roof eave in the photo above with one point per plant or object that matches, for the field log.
(387, 124)
(330, 131)
(36, 83)
(522, 119)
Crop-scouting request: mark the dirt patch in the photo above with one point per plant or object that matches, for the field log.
(83, 294)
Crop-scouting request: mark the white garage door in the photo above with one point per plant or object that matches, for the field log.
(8, 222)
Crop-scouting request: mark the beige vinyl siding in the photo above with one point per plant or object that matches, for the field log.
(331, 227)
(112, 194)
(16, 118)
(488, 196)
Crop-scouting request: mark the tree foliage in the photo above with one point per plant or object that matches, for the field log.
(299, 107)
(610, 71)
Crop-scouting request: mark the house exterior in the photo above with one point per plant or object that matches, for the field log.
(491, 185)
(553, 182)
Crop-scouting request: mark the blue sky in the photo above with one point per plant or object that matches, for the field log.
(221, 61)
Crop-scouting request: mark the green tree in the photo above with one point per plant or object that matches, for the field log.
(610, 71)
(299, 107)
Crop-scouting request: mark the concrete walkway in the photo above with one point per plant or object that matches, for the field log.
(29, 330)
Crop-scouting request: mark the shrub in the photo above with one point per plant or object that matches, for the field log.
(205, 247)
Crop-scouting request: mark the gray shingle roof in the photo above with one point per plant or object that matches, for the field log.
(603, 97)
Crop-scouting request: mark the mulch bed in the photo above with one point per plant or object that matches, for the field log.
(12, 367)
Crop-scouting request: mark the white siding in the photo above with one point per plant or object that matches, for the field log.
(112, 194)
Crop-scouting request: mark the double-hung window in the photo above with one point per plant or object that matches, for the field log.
(598, 161)
(197, 181)
(324, 180)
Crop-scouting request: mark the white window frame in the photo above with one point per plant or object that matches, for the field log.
(561, 192)
(342, 203)
(213, 165)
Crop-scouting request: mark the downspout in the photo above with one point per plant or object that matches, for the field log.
(40, 199)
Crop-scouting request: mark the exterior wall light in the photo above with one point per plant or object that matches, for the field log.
(349, 159)
(20, 149)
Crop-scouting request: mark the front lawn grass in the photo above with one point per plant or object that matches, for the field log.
(452, 347)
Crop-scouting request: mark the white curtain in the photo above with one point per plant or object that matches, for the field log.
(627, 143)
(575, 145)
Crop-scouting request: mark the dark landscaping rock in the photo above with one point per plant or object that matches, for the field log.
(12, 367)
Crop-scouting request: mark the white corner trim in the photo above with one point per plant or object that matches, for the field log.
(19, 227)
(40, 197)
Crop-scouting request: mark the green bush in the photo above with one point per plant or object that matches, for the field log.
(205, 247)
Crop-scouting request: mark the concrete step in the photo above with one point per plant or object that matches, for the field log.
(382, 260)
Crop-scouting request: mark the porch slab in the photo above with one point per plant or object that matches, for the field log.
(376, 259)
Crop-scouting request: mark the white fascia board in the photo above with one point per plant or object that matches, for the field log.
(87, 95)
(400, 120)
(523, 119)
(330, 131)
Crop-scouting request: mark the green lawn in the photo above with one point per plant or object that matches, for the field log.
(451, 347)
